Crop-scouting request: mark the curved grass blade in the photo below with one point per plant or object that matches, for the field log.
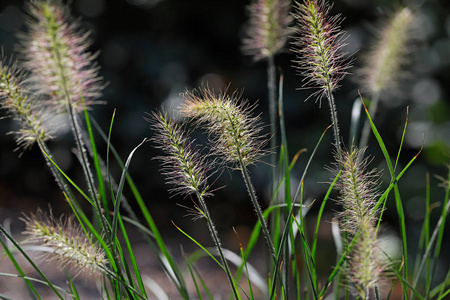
(35, 267)
(398, 200)
(43, 282)
(194, 280)
(94, 153)
(119, 191)
(244, 261)
(336, 269)
(286, 227)
(156, 289)
(137, 273)
(319, 215)
(210, 255)
(171, 267)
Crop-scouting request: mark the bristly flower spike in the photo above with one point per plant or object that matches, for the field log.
(389, 52)
(235, 136)
(384, 64)
(234, 132)
(70, 246)
(183, 166)
(56, 52)
(359, 216)
(187, 169)
(318, 46)
(15, 99)
(268, 29)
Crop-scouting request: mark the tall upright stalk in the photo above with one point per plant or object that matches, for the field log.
(318, 46)
(186, 169)
(234, 134)
(272, 90)
(63, 72)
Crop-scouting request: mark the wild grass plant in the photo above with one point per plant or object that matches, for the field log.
(57, 75)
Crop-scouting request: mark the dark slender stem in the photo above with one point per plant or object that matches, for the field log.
(215, 236)
(271, 86)
(258, 211)
(334, 119)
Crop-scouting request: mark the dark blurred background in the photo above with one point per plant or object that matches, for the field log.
(151, 50)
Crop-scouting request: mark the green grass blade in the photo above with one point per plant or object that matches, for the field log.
(210, 255)
(67, 293)
(98, 170)
(441, 226)
(284, 246)
(439, 289)
(194, 280)
(402, 139)
(310, 264)
(398, 201)
(19, 269)
(73, 288)
(319, 215)
(35, 267)
(119, 191)
(286, 227)
(249, 283)
(172, 266)
(137, 273)
(338, 266)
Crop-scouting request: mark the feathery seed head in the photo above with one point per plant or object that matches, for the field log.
(67, 240)
(384, 62)
(318, 46)
(268, 28)
(56, 53)
(357, 188)
(359, 216)
(15, 100)
(234, 132)
(182, 165)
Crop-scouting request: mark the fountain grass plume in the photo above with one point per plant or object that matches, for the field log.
(268, 28)
(359, 217)
(27, 111)
(383, 64)
(183, 165)
(56, 53)
(235, 134)
(67, 241)
(267, 32)
(318, 47)
(186, 168)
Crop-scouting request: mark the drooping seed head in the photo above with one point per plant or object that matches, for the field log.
(56, 52)
(183, 165)
(268, 28)
(318, 46)
(68, 242)
(15, 98)
(235, 134)
(383, 65)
